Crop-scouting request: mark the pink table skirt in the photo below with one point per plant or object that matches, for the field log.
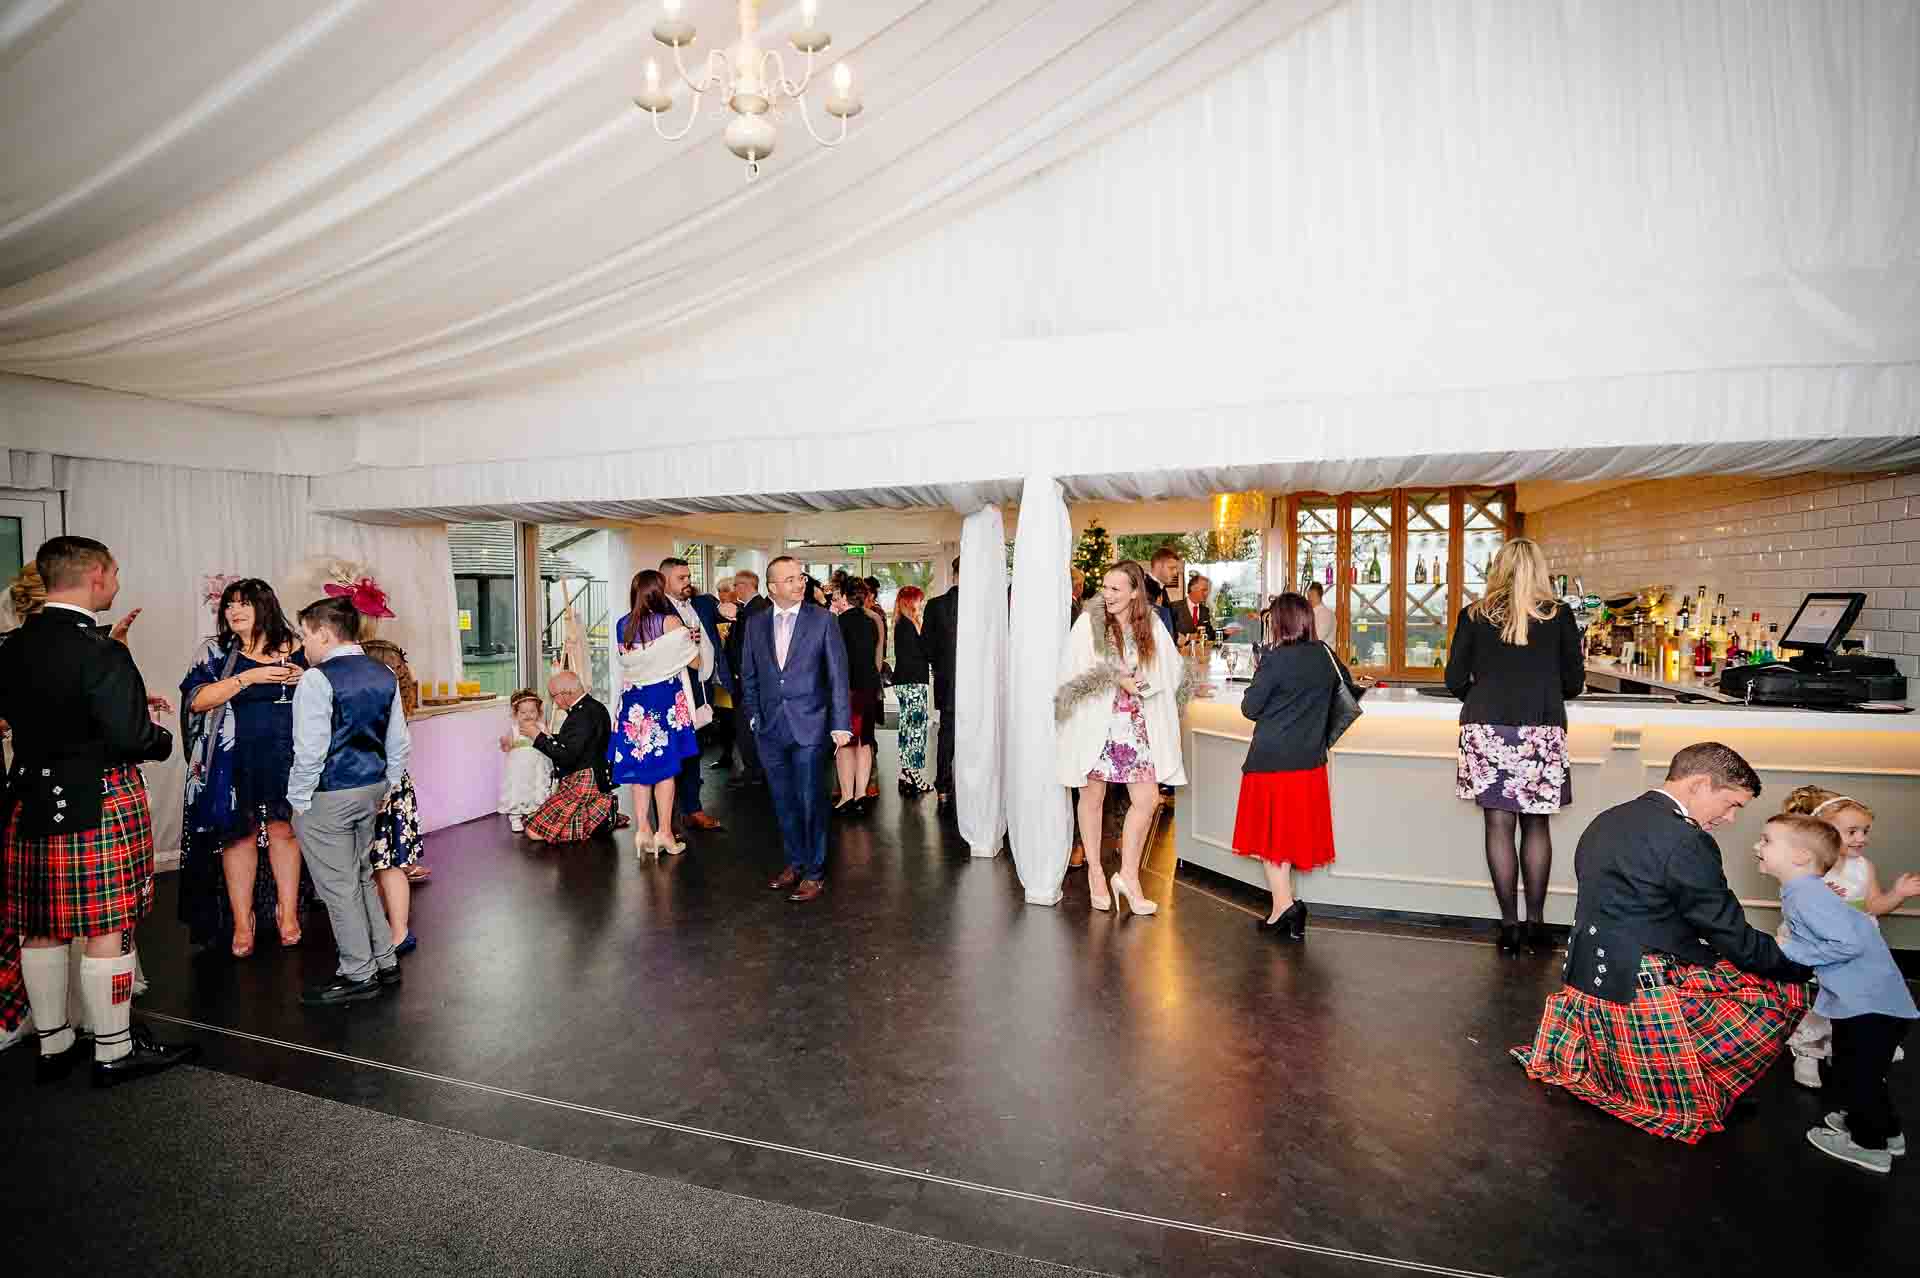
(457, 764)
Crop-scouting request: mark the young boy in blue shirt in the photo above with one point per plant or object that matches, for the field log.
(1861, 991)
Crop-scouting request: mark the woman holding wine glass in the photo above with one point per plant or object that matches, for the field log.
(237, 729)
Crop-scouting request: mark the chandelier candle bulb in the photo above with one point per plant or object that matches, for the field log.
(809, 38)
(842, 104)
(655, 99)
(671, 29)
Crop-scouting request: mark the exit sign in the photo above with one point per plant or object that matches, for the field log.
(855, 548)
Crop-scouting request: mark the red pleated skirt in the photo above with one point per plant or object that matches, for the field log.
(1285, 818)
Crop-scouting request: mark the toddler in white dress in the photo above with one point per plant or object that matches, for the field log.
(527, 780)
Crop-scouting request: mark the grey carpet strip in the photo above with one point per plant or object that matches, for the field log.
(1288, 1244)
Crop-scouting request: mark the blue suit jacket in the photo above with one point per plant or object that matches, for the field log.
(707, 608)
(807, 701)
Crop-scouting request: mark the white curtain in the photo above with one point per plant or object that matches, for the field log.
(979, 685)
(171, 525)
(1039, 819)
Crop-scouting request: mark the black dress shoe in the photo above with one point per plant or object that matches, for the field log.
(1509, 938)
(1539, 939)
(387, 977)
(51, 1069)
(147, 1057)
(339, 991)
(1290, 926)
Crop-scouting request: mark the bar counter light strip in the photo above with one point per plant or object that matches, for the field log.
(932, 1178)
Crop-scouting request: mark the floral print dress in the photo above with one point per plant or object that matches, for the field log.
(1515, 769)
(1128, 755)
(653, 733)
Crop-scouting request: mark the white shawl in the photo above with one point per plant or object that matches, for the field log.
(1082, 732)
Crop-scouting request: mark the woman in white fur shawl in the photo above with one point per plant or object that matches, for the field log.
(1117, 715)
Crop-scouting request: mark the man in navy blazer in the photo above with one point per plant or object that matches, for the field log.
(703, 612)
(794, 675)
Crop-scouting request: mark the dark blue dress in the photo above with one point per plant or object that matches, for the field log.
(653, 731)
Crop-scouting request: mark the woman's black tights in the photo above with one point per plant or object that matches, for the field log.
(1534, 857)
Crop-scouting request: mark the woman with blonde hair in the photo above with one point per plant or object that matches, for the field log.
(1117, 717)
(1515, 660)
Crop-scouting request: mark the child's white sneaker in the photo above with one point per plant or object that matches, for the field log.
(1839, 1145)
(1837, 1122)
(517, 823)
(1806, 1071)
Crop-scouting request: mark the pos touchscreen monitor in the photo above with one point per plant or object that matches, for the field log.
(1822, 621)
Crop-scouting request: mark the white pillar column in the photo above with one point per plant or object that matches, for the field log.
(1039, 815)
(979, 702)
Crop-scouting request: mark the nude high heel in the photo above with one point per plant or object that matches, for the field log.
(243, 950)
(1093, 880)
(1136, 903)
(666, 843)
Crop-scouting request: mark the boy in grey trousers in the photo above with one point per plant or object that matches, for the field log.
(350, 744)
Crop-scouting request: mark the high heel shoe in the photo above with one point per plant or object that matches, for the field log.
(671, 847)
(1101, 903)
(1137, 903)
(1509, 938)
(645, 847)
(1539, 940)
(1289, 925)
(289, 935)
(240, 949)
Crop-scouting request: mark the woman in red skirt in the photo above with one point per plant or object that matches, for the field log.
(1285, 818)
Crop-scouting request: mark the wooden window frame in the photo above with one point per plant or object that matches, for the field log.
(1396, 667)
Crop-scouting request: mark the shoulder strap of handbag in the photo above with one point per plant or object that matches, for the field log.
(1338, 671)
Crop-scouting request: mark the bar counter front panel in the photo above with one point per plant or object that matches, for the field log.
(1404, 842)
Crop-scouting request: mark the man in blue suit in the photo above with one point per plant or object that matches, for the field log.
(794, 675)
(699, 613)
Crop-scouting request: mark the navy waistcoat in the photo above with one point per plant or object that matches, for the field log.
(362, 707)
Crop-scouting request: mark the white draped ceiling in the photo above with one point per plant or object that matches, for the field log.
(1154, 249)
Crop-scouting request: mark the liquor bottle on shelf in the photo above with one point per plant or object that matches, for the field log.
(1719, 637)
(1440, 565)
(1306, 571)
(1373, 566)
(1419, 570)
(1329, 572)
(1773, 642)
(1670, 657)
(1702, 655)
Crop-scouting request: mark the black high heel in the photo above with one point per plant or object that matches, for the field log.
(1290, 926)
(1509, 938)
(1539, 940)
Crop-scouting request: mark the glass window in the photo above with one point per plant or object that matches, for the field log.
(1483, 516)
(1370, 580)
(1316, 545)
(894, 574)
(12, 548)
(576, 612)
(486, 588)
(695, 553)
(1429, 515)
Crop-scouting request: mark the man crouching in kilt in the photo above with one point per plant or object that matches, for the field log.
(1673, 1006)
(78, 838)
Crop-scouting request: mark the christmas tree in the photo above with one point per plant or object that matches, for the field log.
(1093, 554)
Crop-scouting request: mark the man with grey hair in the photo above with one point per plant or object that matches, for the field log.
(582, 802)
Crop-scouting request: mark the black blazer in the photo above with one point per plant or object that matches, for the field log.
(581, 743)
(1650, 879)
(910, 664)
(1524, 686)
(861, 635)
(941, 638)
(737, 638)
(78, 707)
(1183, 620)
(1288, 701)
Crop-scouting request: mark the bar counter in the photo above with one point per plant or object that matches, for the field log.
(1404, 842)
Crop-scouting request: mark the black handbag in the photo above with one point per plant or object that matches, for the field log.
(1344, 708)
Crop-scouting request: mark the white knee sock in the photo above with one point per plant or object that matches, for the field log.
(44, 968)
(107, 986)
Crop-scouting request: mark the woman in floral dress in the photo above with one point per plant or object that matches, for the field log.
(911, 675)
(1118, 719)
(1516, 659)
(653, 731)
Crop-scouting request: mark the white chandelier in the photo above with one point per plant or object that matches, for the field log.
(754, 83)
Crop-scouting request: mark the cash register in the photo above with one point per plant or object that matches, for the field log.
(1822, 674)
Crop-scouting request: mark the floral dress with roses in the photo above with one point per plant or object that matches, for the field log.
(653, 732)
(1515, 769)
(1128, 756)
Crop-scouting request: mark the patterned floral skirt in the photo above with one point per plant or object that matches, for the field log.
(1128, 755)
(86, 884)
(397, 841)
(914, 722)
(1675, 1059)
(1515, 769)
(653, 733)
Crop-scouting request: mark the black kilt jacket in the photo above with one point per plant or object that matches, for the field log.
(1650, 879)
(77, 707)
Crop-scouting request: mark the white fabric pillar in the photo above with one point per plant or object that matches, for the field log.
(979, 683)
(1039, 818)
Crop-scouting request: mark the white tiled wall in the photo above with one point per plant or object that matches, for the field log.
(1762, 542)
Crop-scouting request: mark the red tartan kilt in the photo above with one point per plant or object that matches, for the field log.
(1673, 1061)
(89, 883)
(575, 810)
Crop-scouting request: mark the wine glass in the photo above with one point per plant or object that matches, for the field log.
(286, 689)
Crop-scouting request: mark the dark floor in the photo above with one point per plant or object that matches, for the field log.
(920, 1050)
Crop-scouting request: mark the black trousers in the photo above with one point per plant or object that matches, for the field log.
(1862, 1052)
(943, 752)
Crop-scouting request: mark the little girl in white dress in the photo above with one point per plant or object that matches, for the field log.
(527, 780)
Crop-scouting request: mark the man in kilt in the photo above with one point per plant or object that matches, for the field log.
(582, 801)
(1673, 1005)
(77, 860)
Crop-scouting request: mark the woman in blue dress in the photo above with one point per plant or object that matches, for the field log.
(654, 729)
(236, 707)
